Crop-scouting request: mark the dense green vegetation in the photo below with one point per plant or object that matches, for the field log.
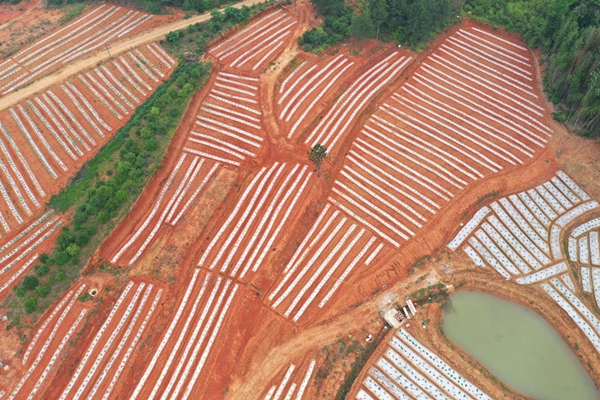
(410, 22)
(107, 186)
(567, 32)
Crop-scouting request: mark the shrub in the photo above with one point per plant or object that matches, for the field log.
(42, 269)
(30, 282)
(30, 305)
(42, 290)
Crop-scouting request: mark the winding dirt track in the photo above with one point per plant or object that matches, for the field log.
(101, 56)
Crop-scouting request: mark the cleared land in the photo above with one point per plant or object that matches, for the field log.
(98, 27)
(254, 277)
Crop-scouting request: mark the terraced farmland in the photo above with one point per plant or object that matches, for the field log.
(244, 271)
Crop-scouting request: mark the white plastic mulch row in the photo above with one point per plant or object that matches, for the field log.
(410, 370)
(32, 247)
(574, 310)
(516, 237)
(586, 280)
(17, 274)
(586, 227)
(171, 210)
(543, 274)
(83, 38)
(260, 223)
(50, 364)
(359, 94)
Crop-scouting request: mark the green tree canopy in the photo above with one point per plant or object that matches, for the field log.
(30, 282)
(361, 26)
(379, 13)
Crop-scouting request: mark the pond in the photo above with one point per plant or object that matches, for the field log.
(517, 346)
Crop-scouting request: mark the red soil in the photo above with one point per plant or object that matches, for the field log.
(255, 345)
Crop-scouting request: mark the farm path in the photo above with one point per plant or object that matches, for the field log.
(102, 56)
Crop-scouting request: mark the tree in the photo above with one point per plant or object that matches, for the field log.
(379, 13)
(316, 155)
(30, 305)
(42, 269)
(30, 282)
(42, 290)
(328, 7)
(173, 37)
(361, 26)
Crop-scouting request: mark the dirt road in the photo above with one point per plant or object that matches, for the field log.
(101, 56)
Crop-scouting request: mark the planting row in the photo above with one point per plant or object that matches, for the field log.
(464, 93)
(228, 128)
(520, 234)
(462, 116)
(270, 202)
(187, 180)
(46, 138)
(584, 243)
(283, 391)
(102, 25)
(342, 115)
(48, 345)
(19, 254)
(257, 44)
(410, 370)
(583, 317)
(305, 87)
(520, 237)
(186, 345)
(332, 249)
(54, 321)
(108, 353)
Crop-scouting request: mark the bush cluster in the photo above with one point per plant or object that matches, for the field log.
(409, 22)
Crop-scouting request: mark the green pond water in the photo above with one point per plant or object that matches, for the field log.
(518, 346)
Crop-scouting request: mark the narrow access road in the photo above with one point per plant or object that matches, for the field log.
(117, 48)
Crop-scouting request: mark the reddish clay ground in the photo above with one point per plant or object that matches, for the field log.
(77, 39)
(244, 347)
(21, 252)
(68, 143)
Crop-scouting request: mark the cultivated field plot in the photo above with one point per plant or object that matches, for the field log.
(302, 90)
(409, 370)
(45, 139)
(259, 43)
(269, 205)
(228, 128)
(296, 388)
(106, 356)
(172, 371)
(21, 252)
(191, 174)
(344, 112)
(584, 248)
(103, 24)
(469, 111)
(520, 237)
(49, 344)
(332, 249)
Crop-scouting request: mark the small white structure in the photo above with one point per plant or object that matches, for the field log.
(411, 306)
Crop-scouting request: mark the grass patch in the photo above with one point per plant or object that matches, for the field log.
(71, 12)
(420, 263)
(485, 197)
